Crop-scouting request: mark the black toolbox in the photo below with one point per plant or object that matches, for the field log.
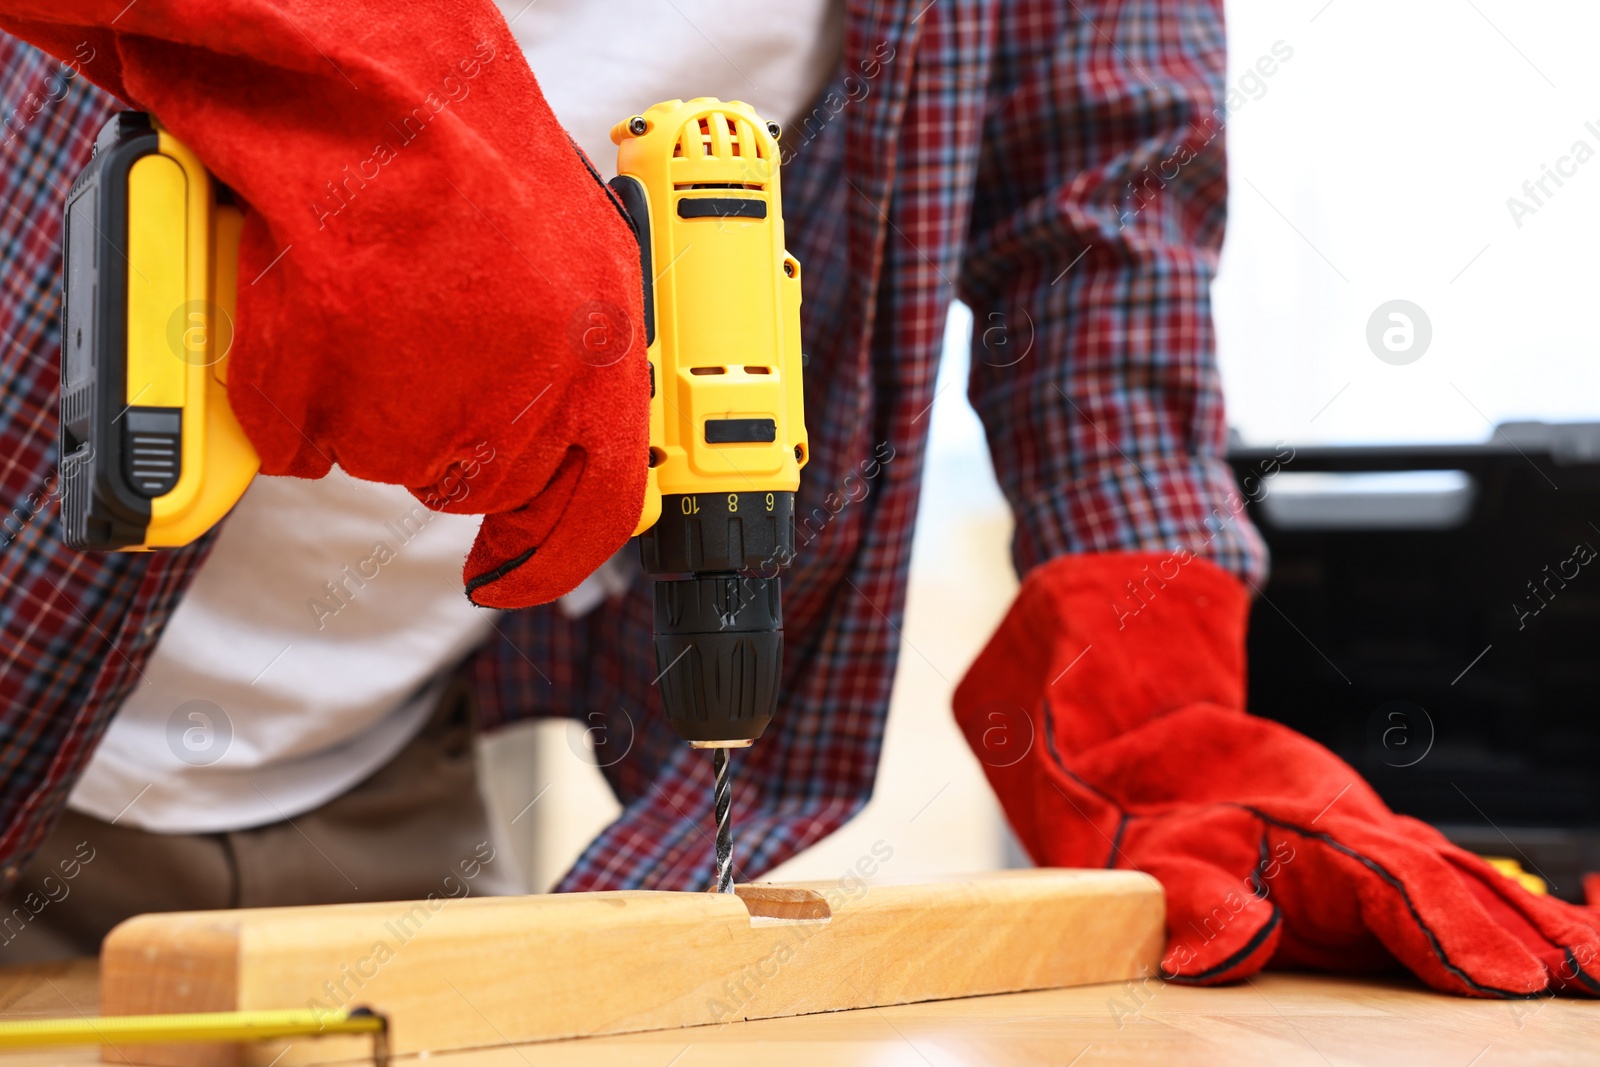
(1443, 639)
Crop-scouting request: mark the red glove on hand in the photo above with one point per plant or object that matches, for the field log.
(423, 259)
(1115, 736)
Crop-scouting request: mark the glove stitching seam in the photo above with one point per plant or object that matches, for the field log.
(1579, 973)
(1438, 949)
(1238, 958)
(1405, 897)
(490, 576)
(609, 194)
(1124, 816)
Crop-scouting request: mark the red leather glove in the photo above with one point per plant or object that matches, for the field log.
(1115, 736)
(425, 262)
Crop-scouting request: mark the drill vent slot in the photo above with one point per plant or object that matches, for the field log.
(708, 370)
(705, 132)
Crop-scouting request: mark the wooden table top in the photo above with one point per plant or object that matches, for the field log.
(1272, 1019)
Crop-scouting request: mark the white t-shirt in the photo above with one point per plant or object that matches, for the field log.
(599, 63)
(305, 654)
(314, 642)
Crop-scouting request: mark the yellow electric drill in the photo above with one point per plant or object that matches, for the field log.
(152, 456)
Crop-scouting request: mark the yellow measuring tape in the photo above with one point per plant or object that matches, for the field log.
(199, 1026)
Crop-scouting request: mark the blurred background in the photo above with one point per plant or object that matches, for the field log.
(1373, 164)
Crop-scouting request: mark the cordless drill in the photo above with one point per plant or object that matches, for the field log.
(699, 179)
(152, 455)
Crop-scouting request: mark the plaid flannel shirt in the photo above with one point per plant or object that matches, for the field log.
(1057, 165)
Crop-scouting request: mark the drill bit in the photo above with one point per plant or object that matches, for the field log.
(721, 800)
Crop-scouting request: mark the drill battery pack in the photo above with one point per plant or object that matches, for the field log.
(151, 454)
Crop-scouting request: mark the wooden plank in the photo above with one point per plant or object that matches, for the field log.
(472, 973)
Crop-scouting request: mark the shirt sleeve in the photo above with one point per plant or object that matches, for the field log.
(1097, 223)
(75, 627)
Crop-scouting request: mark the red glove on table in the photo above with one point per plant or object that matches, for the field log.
(424, 260)
(1115, 736)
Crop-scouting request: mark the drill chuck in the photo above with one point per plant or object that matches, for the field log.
(719, 634)
(719, 646)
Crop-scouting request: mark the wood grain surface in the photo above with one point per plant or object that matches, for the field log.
(474, 973)
(1273, 1019)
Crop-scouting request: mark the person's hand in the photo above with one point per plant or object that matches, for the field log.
(435, 288)
(1110, 722)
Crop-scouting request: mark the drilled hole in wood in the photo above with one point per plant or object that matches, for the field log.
(784, 902)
